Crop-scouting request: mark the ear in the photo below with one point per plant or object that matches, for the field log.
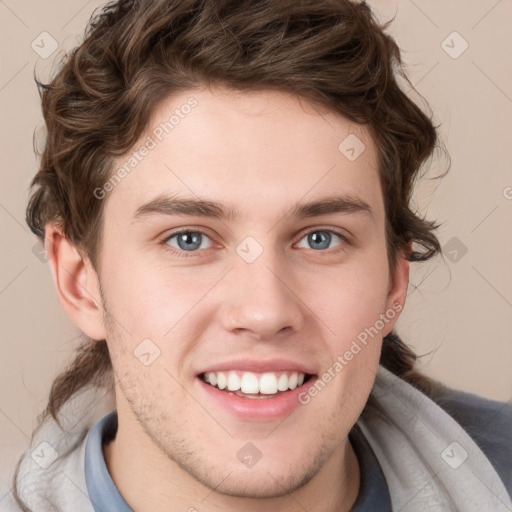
(76, 282)
(397, 291)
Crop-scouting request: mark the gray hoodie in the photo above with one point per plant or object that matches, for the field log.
(452, 451)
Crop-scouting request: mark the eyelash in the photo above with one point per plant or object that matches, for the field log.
(190, 254)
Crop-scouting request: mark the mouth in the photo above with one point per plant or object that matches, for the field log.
(256, 390)
(252, 385)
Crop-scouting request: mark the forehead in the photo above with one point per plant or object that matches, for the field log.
(246, 149)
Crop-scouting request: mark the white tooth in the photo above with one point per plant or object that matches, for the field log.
(282, 383)
(221, 380)
(300, 381)
(249, 383)
(233, 381)
(268, 384)
(292, 380)
(212, 378)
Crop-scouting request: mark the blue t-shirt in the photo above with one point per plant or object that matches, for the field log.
(488, 422)
(102, 491)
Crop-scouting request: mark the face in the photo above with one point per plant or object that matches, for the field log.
(258, 290)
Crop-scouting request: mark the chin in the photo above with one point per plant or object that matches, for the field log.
(262, 483)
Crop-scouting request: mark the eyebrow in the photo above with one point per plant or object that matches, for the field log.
(169, 205)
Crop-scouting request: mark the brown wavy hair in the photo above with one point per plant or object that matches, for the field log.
(136, 53)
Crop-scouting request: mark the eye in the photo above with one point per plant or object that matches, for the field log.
(185, 242)
(320, 239)
(188, 241)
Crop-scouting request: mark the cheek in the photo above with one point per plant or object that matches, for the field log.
(356, 313)
(157, 311)
(145, 297)
(355, 299)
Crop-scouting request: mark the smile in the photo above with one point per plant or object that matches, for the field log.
(254, 396)
(254, 385)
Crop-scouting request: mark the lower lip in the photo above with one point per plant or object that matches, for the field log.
(256, 409)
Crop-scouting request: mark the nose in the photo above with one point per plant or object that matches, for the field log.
(260, 300)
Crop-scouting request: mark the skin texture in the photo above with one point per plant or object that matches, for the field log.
(262, 153)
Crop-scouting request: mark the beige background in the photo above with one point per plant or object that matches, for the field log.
(458, 311)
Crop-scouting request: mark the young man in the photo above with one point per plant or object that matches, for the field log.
(224, 200)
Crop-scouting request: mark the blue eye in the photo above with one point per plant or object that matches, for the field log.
(321, 238)
(184, 242)
(187, 240)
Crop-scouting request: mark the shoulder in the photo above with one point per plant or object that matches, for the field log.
(488, 422)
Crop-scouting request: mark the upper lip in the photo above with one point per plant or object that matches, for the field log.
(259, 366)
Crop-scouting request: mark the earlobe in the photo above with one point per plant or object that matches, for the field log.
(397, 293)
(76, 283)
